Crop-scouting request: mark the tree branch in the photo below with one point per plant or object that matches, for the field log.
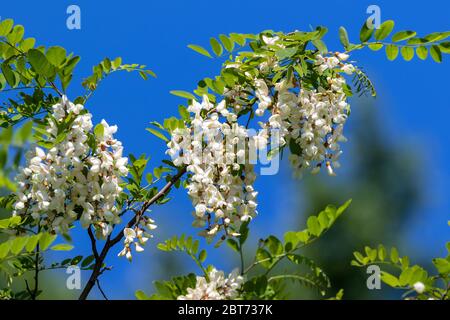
(36, 274)
(111, 242)
(93, 242)
(101, 290)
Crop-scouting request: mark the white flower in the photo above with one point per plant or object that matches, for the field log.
(348, 69)
(419, 287)
(138, 247)
(221, 177)
(70, 174)
(342, 56)
(218, 287)
(129, 234)
(128, 255)
(40, 153)
(270, 40)
(211, 149)
(19, 205)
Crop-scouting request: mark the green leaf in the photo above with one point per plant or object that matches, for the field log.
(445, 47)
(56, 55)
(23, 134)
(40, 63)
(442, 265)
(385, 30)
(403, 35)
(435, 53)
(233, 244)
(389, 279)
(320, 45)
(99, 130)
(392, 52)
(76, 260)
(200, 50)
(285, 53)
(9, 74)
(157, 134)
(343, 207)
(314, 226)
(87, 261)
(274, 245)
(140, 295)
(5, 27)
(292, 239)
(27, 44)
(407, 53)
(195, 245)
(381, 252)
(62, 247)
(359, 257)
(216, 46)
(182, 110)
(405, 276)
(17, 244)
(422, 52)
(394, 255)
(436, 36)
(32, 242)
(202, 256)
(2, 81)
(303, 236)
(375, 46)
(16, 35)
(46, 240)
(149, 178)
(143, 75)
(263, 257)
(343, 36)
(116, 63)
(365, 33)
(227, 43)
(4, 249)
(238, 38)
(183, 94)
(7, 223)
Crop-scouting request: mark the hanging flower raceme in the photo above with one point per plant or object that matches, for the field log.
(217, 287)
(220, 153)
(310, 119)
(76, 178)
(214, 149)
(137, 236)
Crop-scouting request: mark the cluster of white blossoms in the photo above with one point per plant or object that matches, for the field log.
(137, 236)
(313, 118)
(218, 287)
(69, 181)
(221, 181)
(219, 152)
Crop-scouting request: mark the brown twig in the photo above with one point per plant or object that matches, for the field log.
(111, 242)
(101, 290)
(93, 242)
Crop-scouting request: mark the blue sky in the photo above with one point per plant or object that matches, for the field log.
(413, 96)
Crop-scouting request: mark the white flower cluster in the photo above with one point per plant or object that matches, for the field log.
(70, 181)
(222, 179)
(137, 236)
(313, 118)
(309, 118)
(218, 287)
